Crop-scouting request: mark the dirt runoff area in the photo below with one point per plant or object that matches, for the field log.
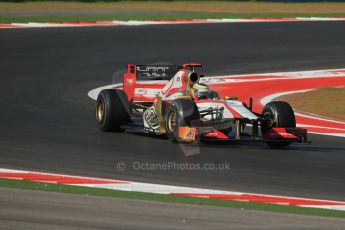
(327, 102)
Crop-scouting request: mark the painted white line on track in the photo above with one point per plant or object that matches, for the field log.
(316, 126)
(316, 117)
(162, 22)
(168, 189)
(338, 207)
(93, 94)
(271, 97)
(292, 74)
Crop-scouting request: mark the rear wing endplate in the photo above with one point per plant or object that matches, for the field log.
(136, 73)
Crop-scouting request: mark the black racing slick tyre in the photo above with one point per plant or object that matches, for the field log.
(181, 112)
(112, 110)
(278, 114)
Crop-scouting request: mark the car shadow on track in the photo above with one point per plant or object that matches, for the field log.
(191, 147)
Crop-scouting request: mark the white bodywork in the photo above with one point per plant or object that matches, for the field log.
(173, 89)
(214, 105)
(234, 105)
(241, 109)
(151, 120)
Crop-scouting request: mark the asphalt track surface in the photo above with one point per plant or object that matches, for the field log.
(22, 209)
(47, 120)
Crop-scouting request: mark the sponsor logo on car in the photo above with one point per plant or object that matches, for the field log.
(187, 133)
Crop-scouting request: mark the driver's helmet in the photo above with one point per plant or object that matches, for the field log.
(201, 91)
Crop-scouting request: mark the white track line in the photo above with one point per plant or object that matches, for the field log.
(316, 117)
(170, 189)
(271, 97)
(161, 22)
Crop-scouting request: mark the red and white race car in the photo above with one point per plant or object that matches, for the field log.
(169, 100)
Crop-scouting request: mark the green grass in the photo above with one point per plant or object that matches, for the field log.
(48, 187)
(162, 16)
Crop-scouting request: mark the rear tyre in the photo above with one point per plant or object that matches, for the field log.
(278, 114)
(112, 110)
(181, 112)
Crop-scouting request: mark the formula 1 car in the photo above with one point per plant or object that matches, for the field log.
(170, 100)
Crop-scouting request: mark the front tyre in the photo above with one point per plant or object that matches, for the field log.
(181, 112)
(278, 114)
(112, 110)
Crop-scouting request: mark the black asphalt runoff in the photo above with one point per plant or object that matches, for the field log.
(47, 120)
(23, 209)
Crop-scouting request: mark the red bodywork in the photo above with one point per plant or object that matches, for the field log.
(136, 93)
(129, 81)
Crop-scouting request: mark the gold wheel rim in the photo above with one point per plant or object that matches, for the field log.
(100, 111)
(171, 122)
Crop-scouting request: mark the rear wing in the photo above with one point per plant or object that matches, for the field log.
(156, 72)
(141, 73)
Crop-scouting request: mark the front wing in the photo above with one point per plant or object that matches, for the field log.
(190, 134)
